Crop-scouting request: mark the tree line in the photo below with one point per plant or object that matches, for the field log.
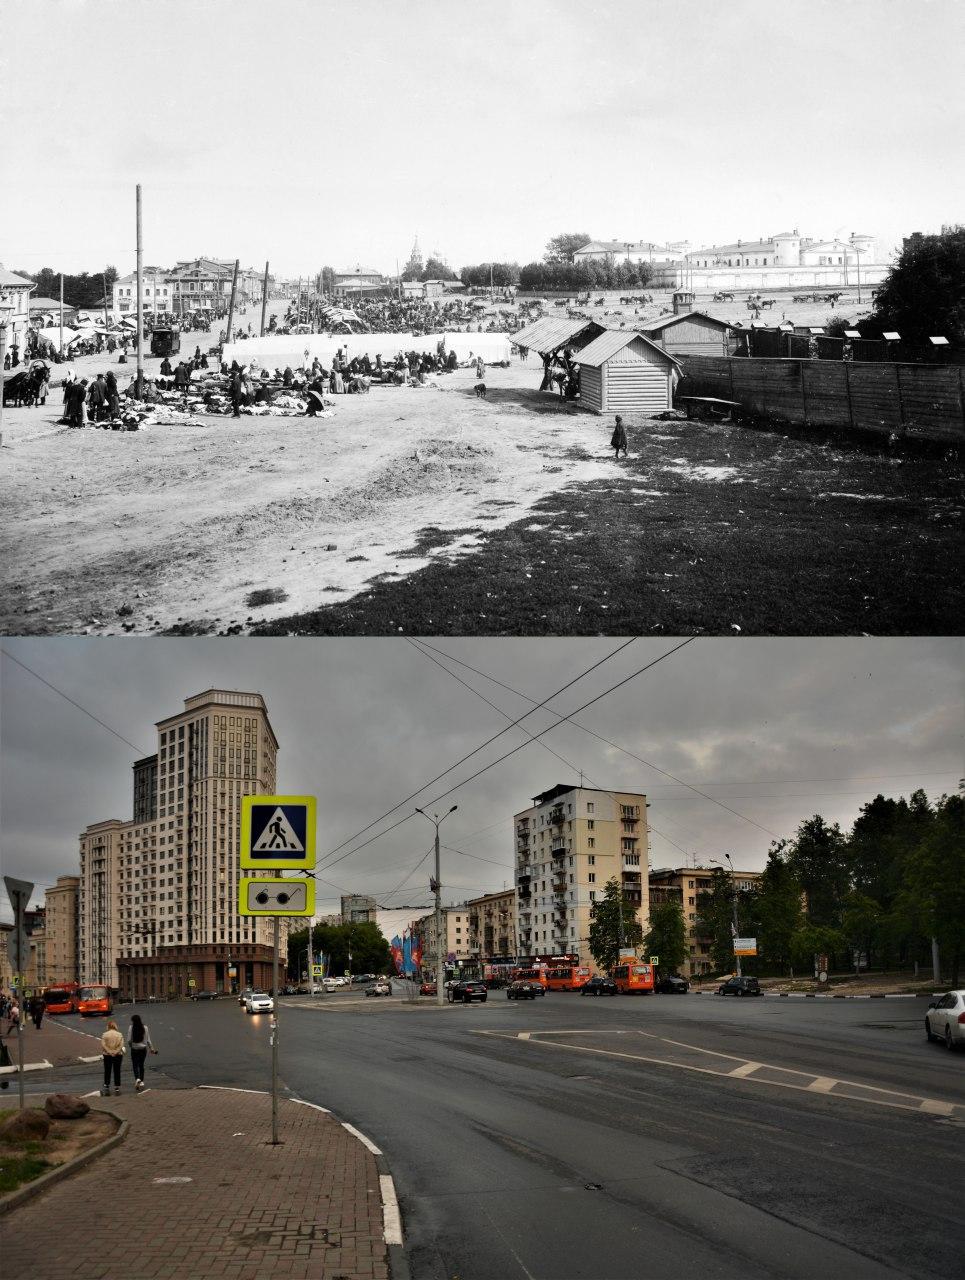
(874, 896)
(84, 291)
(363, 943)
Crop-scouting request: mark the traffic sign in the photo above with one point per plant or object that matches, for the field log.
(745, 946)
(276, 897)
(654, 960)
(278, 833)
(18, 945)
(318, 971)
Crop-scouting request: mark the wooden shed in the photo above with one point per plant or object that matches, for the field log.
(553, 333)
(624, 372)
(691, 333)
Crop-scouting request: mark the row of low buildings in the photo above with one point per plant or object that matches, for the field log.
(153, 910)
(196, 284)
(785, 259)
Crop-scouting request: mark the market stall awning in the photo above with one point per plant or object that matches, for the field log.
(552, 332)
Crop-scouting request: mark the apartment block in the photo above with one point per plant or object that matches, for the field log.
(569, 843)
(158, 894)
(492, 926)
(685, 884)
(61, 901)
(358, 908)
(456, 950)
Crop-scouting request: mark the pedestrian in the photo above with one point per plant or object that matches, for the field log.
(112, 1047)
(37, 1010)
(13, 1014)
(618, 440)
(139, 1038)
(236, 393)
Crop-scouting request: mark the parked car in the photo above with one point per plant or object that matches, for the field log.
(205, 995)
(378, 988)
(522, 990)
(740, 987)
(427, 989)
(599, 986)
(329, 984)
(467, 991)
(673, 985)
(259, 1002)
(945, 1019)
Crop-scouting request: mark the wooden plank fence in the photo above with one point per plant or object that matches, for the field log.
(921, 401)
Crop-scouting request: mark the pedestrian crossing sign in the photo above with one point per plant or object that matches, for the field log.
(278, 832)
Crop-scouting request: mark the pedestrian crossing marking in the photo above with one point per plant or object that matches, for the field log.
(278, 836)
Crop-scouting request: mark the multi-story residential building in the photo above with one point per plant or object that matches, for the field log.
(569, 843)
(157, 291)
(158, 895)
(358, 908)
(785, 259)
(685, 884)
(492, 926)
(204, 284)
(15, 294)
(61, 930)
(456, 927)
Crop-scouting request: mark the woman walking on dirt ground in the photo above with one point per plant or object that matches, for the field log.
(618, 440)
(112, 1047)
(139, 1038)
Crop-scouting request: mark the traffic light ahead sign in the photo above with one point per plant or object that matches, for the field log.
(278, 832)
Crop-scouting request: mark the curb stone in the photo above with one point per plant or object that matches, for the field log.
(14, 1198)
(827, 995)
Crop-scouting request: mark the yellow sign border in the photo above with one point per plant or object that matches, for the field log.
(307, 910)
(284, 862)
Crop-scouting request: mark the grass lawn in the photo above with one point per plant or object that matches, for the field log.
(712, 529)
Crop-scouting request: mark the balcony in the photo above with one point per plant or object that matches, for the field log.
(558, 845)
(524, 871)
(557, 817)
(522, 828)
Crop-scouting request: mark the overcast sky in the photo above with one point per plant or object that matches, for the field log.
(775, 729)
(334, 131)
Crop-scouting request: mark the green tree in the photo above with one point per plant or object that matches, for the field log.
(860, 922)
(813, 940)
(436, 269)
(562, 247)
(504, 274)
(924, 293)
(715, 909)
(932, 896)
(778, 910)
(605, 926)
(325, 280)
(818, 859)
(667, 935)
(365, 944)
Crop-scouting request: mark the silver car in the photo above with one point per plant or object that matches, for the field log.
(259, 1002)
(945, 1019)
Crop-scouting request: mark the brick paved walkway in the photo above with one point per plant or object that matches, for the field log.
(59, 1044)
(308, 1209)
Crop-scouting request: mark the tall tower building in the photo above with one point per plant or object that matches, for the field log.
(415, 262)
(569, 843)
(61, 947)
(158, 895)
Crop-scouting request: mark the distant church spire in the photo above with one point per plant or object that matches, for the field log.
(415, 257)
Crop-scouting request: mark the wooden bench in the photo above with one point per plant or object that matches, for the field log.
(709, 407)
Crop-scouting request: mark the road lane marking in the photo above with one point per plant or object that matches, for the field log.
(391, 1217)
(745, 1069)
(96, 1058)
(366, 1142)
(30, 1066)
(822, 1084)
(850, 1090)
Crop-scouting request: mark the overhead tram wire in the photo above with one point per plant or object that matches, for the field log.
(127, 742)
(375, 822)
(618, 747)
(583, 773)
(506, 755)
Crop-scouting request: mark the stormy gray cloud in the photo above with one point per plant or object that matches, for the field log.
(775, 730)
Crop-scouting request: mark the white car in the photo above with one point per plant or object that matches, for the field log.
(945, 1019)
(259, 1002)
(330, 984)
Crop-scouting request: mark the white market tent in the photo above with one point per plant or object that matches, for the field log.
(275, 351)
(52, 334)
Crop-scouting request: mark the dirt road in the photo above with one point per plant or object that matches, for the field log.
(225, 523)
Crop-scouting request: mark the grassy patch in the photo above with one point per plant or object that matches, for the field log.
(265, 595)
(15, 1170)
(801, 537)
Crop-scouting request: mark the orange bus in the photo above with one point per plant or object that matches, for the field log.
(536, 973)
(61, 998)
(95, 1001)
(633, 976)
(568, 977)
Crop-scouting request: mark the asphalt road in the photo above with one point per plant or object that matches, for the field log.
(643, 1137)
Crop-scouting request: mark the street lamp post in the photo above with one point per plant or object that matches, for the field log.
(437, 883)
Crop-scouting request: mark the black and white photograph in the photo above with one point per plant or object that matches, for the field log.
(482, 699)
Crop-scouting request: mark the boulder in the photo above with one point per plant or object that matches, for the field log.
(65, 1106)
(25, 1126)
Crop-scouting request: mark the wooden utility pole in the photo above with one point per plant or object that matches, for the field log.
(61, 313)
(140, 300)
(264, 300)
(231, 305)
(107, 323)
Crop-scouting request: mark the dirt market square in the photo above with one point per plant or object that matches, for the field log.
(433, 510)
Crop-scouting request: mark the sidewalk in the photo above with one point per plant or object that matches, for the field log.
(57, 1044)
(196, 1191)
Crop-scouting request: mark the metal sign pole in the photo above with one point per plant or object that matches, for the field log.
(274, 1042)
(20, 985)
